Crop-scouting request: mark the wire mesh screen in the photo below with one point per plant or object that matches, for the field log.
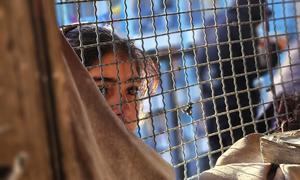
(190, 78)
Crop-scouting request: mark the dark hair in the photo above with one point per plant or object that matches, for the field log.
(108, 42)
(257, 9)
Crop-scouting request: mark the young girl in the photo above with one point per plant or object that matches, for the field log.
(120, 70)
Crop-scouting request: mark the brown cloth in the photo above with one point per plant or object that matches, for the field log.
(243, 160)
(104, 149)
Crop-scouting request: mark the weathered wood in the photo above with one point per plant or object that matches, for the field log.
(22, 107)
(29, 47)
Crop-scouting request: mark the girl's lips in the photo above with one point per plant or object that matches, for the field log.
(120, 117)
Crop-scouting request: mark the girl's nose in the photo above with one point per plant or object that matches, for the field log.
(126, 106)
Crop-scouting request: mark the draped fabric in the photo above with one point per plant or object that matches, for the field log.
(244, 160)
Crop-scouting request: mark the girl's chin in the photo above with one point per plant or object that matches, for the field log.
(131, 127)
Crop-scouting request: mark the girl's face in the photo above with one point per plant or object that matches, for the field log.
(107, 78)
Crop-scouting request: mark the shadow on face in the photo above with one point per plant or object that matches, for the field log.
(120, 85)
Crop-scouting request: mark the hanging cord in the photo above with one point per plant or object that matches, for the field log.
(268, 49)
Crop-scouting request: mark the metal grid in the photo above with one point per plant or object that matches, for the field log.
(217, 83)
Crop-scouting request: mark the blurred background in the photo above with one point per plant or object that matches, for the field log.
(174, 126)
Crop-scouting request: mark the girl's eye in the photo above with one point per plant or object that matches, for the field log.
(133, 90)
(103, 90)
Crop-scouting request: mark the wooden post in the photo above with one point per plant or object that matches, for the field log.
(24, 136)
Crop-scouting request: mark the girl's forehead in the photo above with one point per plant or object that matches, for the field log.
(114, 58)
(126, 70)
(118, 61)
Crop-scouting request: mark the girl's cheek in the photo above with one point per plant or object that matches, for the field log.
(132, 110)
